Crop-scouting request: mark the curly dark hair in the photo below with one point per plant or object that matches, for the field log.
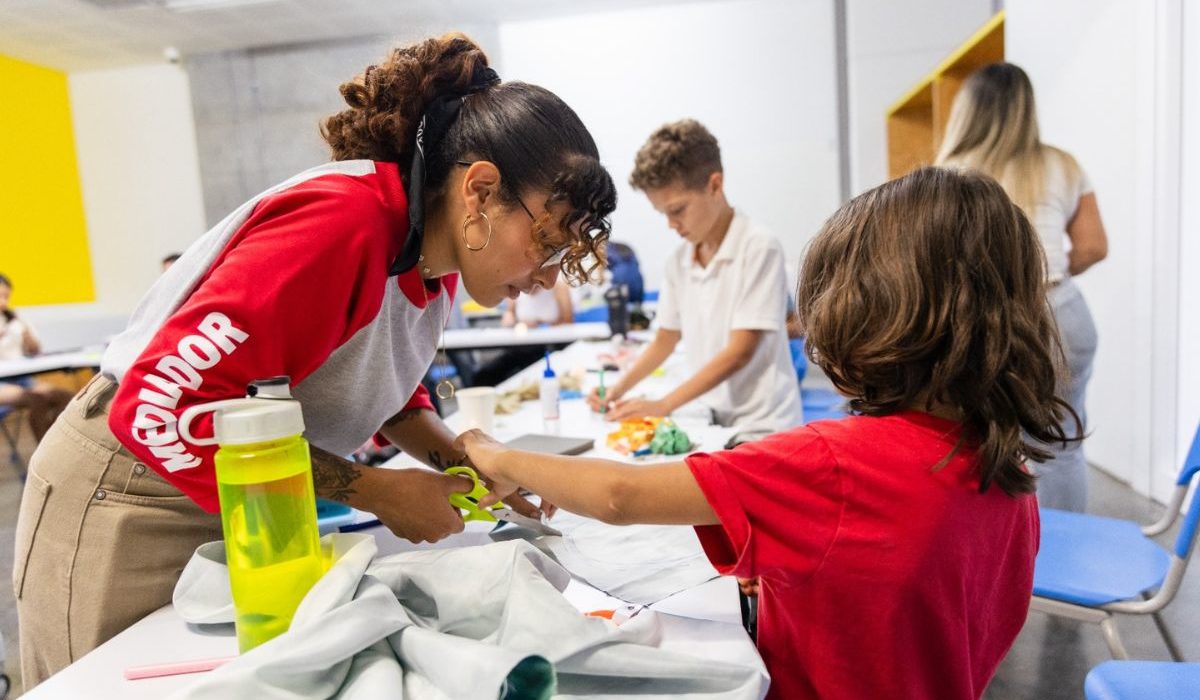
(532, 136)
(682, 151)
(930, 289)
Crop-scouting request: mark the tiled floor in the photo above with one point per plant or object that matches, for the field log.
(1048, 662)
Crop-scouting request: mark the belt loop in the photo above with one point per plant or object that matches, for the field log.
(98, 395)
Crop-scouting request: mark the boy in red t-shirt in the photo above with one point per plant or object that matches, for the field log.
(895, 547)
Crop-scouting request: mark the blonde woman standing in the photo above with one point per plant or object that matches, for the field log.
(993, 129)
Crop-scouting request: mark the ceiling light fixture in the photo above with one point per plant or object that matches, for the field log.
(204, 5)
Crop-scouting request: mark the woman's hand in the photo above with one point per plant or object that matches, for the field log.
(413, 503)
(486, 455)
(638, 408)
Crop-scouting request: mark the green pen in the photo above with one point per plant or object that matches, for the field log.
(600, 392)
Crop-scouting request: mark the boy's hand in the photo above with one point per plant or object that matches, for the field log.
(610, 396)
(638, 408)
(485, 454)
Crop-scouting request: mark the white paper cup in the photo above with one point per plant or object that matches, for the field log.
(478, 406)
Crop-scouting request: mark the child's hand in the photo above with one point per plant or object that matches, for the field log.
(596, 404)
(485, 452)
(638, 408)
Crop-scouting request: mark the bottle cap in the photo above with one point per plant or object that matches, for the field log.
(257, 420)
(549, 372)
(267, 413)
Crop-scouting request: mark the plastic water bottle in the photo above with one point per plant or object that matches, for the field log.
(268, 509)
(548, 394)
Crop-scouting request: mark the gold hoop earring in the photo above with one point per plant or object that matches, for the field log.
(467, 224)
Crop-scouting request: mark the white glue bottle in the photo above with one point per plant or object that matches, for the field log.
(548, 392)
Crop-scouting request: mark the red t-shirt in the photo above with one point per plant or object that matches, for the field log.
(881, 577)
(294, 282)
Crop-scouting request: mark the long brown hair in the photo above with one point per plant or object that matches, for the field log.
(929, 291)
(532, 136)
(993, 128)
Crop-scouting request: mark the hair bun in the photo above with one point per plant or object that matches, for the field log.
(386, 101)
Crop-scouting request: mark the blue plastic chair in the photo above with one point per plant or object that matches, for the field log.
(593, 314)
(1143, 680)
(822, 404)
(818, 403)
(1090, 567)
(799, 360)
(438, 372)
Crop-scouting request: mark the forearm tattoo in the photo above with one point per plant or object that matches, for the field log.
(334, 478)
(442, 464)
(403, 416)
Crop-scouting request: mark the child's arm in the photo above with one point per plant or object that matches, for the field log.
(615, 493)
(651, 358)
(566, 310)
(734, 356)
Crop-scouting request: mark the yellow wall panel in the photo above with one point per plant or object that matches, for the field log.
(43, 234)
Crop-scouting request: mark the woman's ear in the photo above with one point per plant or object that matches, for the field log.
(480, 185)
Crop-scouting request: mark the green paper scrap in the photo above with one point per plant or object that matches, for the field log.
(670, 439)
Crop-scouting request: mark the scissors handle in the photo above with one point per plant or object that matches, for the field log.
(469, 502)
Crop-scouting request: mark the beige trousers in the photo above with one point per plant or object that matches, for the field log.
(101, 538)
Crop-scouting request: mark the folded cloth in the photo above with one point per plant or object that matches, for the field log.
(476, 622)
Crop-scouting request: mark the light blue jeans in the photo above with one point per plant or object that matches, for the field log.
(1062, 481)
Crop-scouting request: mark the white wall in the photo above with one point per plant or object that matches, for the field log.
(136, 147)
(1106, 77)
(257, 110)
(890, 46)
(758, 73)
(1189, 257)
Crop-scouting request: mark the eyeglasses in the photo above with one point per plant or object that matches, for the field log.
(556, 254)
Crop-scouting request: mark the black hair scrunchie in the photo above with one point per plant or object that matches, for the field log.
(435, 122)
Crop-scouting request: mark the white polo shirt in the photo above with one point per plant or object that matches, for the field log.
(744, 286)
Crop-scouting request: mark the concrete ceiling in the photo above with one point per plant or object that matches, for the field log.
(75, 35)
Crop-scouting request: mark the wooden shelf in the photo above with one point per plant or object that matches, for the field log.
(916, 121)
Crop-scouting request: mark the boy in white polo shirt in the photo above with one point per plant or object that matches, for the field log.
(724, 295)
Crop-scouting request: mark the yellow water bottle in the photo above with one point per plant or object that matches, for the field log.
(268, 509)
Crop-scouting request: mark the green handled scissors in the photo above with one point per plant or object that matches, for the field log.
(469, 503)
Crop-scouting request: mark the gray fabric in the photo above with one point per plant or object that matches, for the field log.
(1062, 481)
(452, 623)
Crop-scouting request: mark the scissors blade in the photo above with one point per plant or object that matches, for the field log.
(509, 515)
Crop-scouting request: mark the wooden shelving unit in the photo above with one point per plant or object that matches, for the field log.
(916, 121)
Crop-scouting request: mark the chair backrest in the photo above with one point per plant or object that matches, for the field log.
(594, 314)
(799, 360)
(1187, 533)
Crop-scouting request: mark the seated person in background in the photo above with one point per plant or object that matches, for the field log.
(895, 548)
(724, 294)
(17, 340)
(624, 271)
(551, 307)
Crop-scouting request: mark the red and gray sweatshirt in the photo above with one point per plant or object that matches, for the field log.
(293, 282)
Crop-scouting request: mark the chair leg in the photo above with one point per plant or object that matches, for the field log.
(1109, 627)
(1172, 645)
(13, 436)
